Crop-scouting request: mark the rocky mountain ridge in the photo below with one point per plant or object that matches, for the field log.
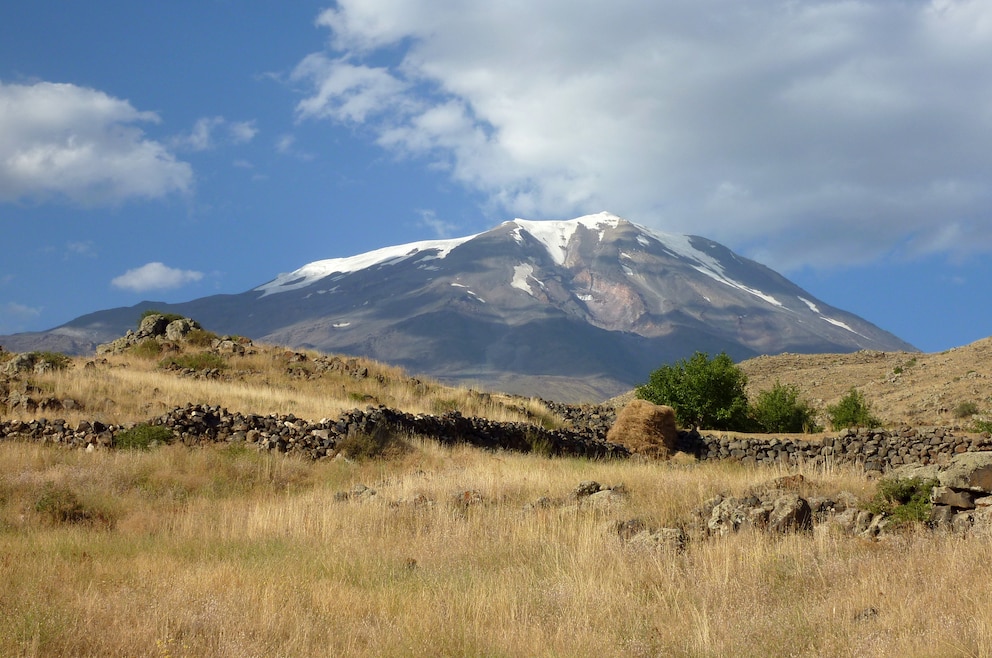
(573, 310)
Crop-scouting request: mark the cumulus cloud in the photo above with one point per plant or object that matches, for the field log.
(155, 276)
(81, 144)
(805, 133)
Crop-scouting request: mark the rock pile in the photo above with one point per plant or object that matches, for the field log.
(962, 499)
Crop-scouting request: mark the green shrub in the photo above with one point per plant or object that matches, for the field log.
(196, 361)
(706, 393)
(201, 338)
(780, 410)
(982, 425)
(904, 500)
(149, 349)
(142, 437)
(965, 409)
(853, 410)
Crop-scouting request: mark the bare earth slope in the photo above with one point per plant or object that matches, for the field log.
(902, 387)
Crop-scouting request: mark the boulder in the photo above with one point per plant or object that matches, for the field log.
(791, 514)
(971, 471)
(177, 329)
(645, 429)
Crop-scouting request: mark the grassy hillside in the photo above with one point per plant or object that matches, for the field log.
(440, 551)
(939, 389)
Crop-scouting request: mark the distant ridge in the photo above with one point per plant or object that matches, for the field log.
(577, 309)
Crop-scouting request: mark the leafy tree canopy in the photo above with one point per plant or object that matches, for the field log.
(706, 393)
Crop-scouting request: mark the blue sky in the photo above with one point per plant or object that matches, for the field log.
(168, 151)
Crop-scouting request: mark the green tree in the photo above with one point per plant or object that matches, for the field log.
(780, 410)
(853, 410)
(704, 392)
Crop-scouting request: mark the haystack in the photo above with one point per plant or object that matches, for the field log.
(646, 429)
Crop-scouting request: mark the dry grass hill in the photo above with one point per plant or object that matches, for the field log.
(903, 387)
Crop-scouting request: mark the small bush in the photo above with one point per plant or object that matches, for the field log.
(381, 443)
(59, 505)
(982, 425)
(904, 500)
(149, 349)
(201, 338)
(780, 410)
(539, 444)
(55, 360)
(196, 361)
(853, 410)
(965, 409)
(142, 437)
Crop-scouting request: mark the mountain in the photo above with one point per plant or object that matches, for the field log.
(577, 309)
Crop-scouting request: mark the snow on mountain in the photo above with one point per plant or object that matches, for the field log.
(577, 309)
(317, 270)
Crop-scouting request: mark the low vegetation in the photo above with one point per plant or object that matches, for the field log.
(853, 410)
(226, 552)
(400, 546)
(712, 394)
(904, 500)
(707, 393)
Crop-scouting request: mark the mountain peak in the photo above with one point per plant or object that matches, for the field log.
(567, 309)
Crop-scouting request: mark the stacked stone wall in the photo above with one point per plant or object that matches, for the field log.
(876, 450)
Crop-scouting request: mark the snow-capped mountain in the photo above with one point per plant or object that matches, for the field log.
(575, 309)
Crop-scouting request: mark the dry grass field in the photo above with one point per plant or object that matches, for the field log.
(222, 551)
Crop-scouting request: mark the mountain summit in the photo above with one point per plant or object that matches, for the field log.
(577, 309)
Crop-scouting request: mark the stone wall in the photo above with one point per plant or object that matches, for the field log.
(877, 450)
(202, 424)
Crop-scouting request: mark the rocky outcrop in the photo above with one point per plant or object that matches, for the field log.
(154, 326)
(962, 499)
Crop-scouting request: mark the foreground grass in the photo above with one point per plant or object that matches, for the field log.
(222, 552)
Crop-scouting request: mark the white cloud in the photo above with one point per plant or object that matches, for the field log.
(81, 144)
(286, 145)
(15, 317)
(242, 132)
(810, 133)
(439, 227)
(155, 276)
(203, 135)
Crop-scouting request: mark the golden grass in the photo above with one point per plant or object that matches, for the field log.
(128, 389)
(224, 552)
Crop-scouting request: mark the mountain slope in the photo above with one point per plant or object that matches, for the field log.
(529, 305)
